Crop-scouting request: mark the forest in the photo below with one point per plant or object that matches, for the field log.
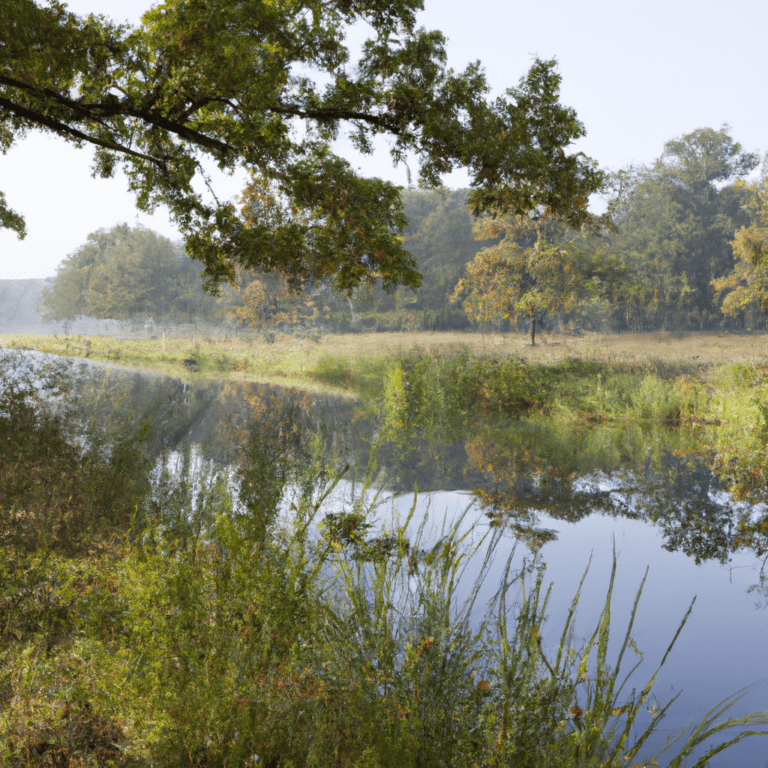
(681, 246)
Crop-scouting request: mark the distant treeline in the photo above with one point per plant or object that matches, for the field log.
(662, 256)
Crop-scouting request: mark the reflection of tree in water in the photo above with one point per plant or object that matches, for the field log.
(520, 471)
(686, 501)
(621, 470)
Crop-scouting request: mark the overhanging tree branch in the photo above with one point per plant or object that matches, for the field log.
(218, 80)
(70, 131)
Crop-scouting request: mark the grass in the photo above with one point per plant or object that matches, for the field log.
(444, 385)
(198, 625)
(297, 361)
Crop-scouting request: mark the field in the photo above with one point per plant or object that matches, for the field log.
(297, 362)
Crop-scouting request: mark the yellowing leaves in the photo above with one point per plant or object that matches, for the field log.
(539, 267)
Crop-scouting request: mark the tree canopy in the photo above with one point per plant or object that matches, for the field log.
(126, 272)
(675, 221)
(747, 284)
(538, 267)
(440, 236)
(268, 87)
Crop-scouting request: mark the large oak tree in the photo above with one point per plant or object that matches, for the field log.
(267, 87)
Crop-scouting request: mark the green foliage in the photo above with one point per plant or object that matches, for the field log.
(127, 272)
(202, 82)
(362, 375)
(675, 221)
(301, 652)
(9, 219)
(537, 269)
(740, 406)
(429, 391)
(439, 235)
(61, 487)
(634, 396)
(747, 284)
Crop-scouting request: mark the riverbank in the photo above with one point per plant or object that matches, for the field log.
(304, 363)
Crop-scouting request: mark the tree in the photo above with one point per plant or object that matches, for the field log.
(537, 268)
(440, 236)
(675, 221)
(126, 272)
(747, 284)
(267, 87)
(266, 302)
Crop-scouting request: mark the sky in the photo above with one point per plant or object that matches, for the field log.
(637, 73)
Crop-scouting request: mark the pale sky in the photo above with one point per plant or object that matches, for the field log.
(637, 73)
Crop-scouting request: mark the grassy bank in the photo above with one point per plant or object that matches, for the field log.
(296, 361)
(444, 385)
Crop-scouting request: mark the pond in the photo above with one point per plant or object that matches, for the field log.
(570, 498)
(720, 649)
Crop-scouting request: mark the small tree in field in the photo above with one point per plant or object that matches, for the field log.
(267, 302)
(535, 269)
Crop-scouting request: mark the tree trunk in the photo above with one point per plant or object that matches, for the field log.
(533, 331)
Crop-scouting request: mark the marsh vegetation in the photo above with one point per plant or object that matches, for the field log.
(260, 599)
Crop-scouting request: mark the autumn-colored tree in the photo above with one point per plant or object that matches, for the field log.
(747, 285)
(267, 302)
(538, 268)
(265, 88)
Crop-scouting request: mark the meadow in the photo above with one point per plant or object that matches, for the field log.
(300, 362)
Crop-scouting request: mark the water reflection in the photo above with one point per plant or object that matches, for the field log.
(520, 471)
(655, 475)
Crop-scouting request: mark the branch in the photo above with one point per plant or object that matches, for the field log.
(96, 111)
(65, 129)
(332, 113)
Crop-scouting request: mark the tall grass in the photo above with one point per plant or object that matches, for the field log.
(275, 624)
(309, 645)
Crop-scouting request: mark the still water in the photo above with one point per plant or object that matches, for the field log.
(670, 517)
(720, 650)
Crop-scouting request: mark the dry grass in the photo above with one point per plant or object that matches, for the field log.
(291, 361)
(705, 348)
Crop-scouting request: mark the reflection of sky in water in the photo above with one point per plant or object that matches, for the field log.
(721, 648)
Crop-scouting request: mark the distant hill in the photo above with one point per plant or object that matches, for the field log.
(18, 299)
